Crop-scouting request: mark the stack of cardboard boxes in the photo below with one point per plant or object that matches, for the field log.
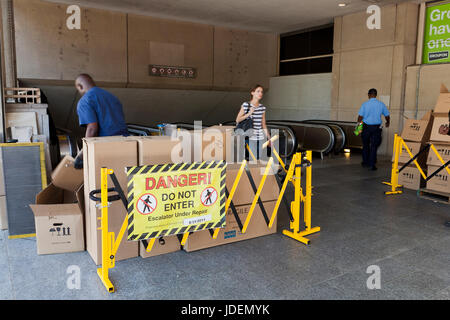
(416, 134)
(64, 202)
(441, 181)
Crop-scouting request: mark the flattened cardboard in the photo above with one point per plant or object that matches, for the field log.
(66, 177)
(244, 193)
(443, 102)
(440, 182)
(435, 135)
(59, 225)
(231, 233)
(444, 152)
(156, 150)
(114, 153)
(153, 151)
(219, 144)
(410, 178)
(161, 246)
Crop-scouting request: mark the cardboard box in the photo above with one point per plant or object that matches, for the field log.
(152, 151)
(161, 246)
(115, 153)
(410, 178)
(444, 152)
(159, 150)
(191, 145)
(437, 123)
(59, 221)
(440, 182)
(417, 130)
(244, 193)
(66, 177)
(443, 103)
(231, 233)
(3, 214)
(219, 144)
(415, 148)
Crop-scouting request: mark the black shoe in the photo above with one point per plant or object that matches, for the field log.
(373, 168)
(365, 165)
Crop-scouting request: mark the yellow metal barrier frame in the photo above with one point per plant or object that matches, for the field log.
(398, 143)
(110, 244)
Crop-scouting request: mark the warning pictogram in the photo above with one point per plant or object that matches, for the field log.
(209, 196)
(146, 204)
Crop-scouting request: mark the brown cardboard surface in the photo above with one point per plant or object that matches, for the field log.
(410, 178)
(59, 226)
(244, 193)
(219, 144)
(437, 123)
(3, 214)
(231, 233)
(66, 177)
(161, 246)
(114, 153)
(440, 182)
(416, 130)
(415, 148)
(444, 152)
(443, 102)
(156, 150)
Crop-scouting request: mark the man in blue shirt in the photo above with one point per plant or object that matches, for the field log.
(370, 115)
(98, 110)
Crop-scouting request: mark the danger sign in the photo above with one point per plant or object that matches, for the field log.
(146, 204)
(209, 196)
(173, 199)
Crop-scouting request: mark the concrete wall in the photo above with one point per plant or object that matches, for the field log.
(117, 49)
(299, 97)
(367, 59)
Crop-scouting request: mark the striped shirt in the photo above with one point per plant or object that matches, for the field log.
(257, 116)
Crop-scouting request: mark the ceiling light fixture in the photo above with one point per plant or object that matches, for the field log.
(342, 4)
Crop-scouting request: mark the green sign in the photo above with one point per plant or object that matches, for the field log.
(436, 46)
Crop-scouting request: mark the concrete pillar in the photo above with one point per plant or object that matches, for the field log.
(9, 47)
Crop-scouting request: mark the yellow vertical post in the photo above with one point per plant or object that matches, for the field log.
(103, 272)
(307, 213)
(394, 173)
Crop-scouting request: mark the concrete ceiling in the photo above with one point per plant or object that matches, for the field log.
(279, 16)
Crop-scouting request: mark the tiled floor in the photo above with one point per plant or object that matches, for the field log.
(403, 235)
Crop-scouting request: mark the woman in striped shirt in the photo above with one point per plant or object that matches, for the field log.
(257, 112)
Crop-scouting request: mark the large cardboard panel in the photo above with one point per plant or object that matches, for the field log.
(410, 178)
(59, 221)
(157, 150)
(66, 177)
(444, 152)
(244, 193)
(98, 45)
(3, 214)
(440, 182)
(161, 246)
(115, 153)
(219, 144)
(231, 233)
(438, 124)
